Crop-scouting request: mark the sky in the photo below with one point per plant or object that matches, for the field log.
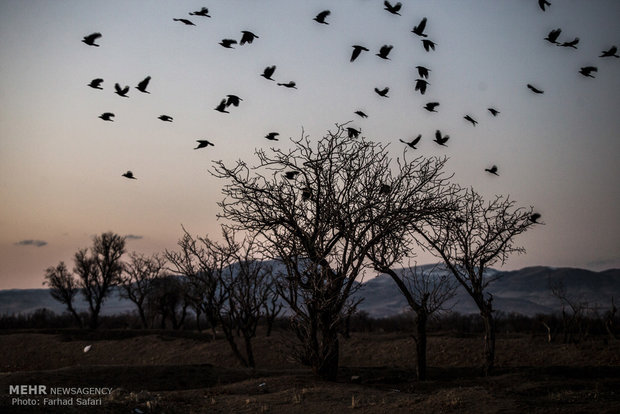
(61, 166)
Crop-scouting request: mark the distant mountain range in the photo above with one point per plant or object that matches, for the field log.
(524, 291)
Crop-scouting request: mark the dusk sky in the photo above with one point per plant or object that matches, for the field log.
(61, 166)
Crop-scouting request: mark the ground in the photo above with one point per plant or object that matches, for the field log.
(188, 372)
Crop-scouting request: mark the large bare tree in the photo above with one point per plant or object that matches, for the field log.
(63, 287)
(312, 207)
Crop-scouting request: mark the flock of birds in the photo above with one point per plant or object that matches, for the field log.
(420, 85)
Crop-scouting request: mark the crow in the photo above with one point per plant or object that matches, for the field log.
(144, 84)
(609, 53)
(441, 140)
(227, 43)
(185, 22)
(222, 107)
(384, 51)
(247, 37)
(534, 89)
(587, 71)
(204, 12)
(320, 18)
(470, 119)
(420, 85)
(233, 100)
(393, 9)
(553, 35)
(357, 49)
(352, 132)
(272, 136)
(107, 116)
(90, 39)
(290, 175)
(493, 111)
(543, 3)
(383, 92)
(268, 72)
(573, 43)
(413, 142)
(428, 44)
(492, 170)
(96, 83)
(360, 113)
(290, 84)
(419, 29)
(422, 71)
(534, 217)
(121, 91)
(129, 175)
(385, 188)
(431, 106)
(306, 193)
(165, 118)
(203, 143)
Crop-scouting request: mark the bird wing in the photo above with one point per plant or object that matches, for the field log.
(322, 15)
(420, 27)
(144, 83)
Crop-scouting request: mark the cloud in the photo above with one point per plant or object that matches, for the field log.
(133, 237)
(36, 243)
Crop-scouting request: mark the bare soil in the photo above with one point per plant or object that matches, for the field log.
(188, 372)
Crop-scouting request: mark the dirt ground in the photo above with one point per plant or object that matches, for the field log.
(188, 372)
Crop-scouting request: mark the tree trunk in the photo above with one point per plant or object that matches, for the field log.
(489, 341)
(248, 351)
(325, 365)
(420, 344)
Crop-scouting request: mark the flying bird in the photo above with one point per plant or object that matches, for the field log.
(428, 44)
(413, 142)
(534, 217)
(96, 83)
(609, 53)
(352, 132)
(203, 143)
(470, 119)
(573, 43)
(492, 170)
(185, 22)
(422, 71)
(320, 18)
(121, 91)
(493, 111)
(393, 9)
(107, 116)
(384, 51)
(144, 84)
(222, 107)
(290, 84)
(420, 85)
(129, 175)
(227, 43)
(534, 89)
(553, 35)
(268, 72)
(361, 114)
(543, 3)
(383, 92)
(357, 49)
(247, 37)
(587, 71)
(272, 136)
(441, 140)
(165, 118)
(233, 100)
(90, 39)
(204, 12)
(419, 29)
(87, 348)
(431, 106)
(290, 175)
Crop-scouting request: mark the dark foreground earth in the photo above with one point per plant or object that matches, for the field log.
(188, 372)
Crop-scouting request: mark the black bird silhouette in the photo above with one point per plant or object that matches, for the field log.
(290, 175)
(320, 18)
(144, 84)
(233, 100)
(227, 43)
(573, 43)
(392, 9)
(96, 83)
(384, 51)
(204, 12)
(610, 53)
(107, 116)
(534, 217)
(121, 91)
(492, 170)
(422, 71)
(493, 111)
(203, 143)
(185, 22)
(360, 113)
(247, 37)
(413, 142)
(419, 29)
(543, 3)
(306, 193)
(290, 84)
(129, 175)
(222, 107)
(268, 72)
(420, 85)
(383, 92)
(431, 106)
(357, 49)
(90, 39)
(470, 119)
(385, 189)
(428, 44)
(587, 71)
(553, 35)
(534, 89)
(441, 140)
(272, 136)
(165, 118)
(352, 132)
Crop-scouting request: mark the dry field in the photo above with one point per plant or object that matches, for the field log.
(187, 372)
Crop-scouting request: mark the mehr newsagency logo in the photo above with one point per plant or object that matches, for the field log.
(42, 395)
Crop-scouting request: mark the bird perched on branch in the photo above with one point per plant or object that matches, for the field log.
(385, 189)
(90, 39)
(203, 143)
(290, 175)
(413, 142)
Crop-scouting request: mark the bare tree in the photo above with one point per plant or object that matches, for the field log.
(312, 207)
(168, 298)
(137, 281)
(470, 239)
(271, 309)
(63, 287)
(574, 310)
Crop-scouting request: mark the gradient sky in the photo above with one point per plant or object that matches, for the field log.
(61, 166)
